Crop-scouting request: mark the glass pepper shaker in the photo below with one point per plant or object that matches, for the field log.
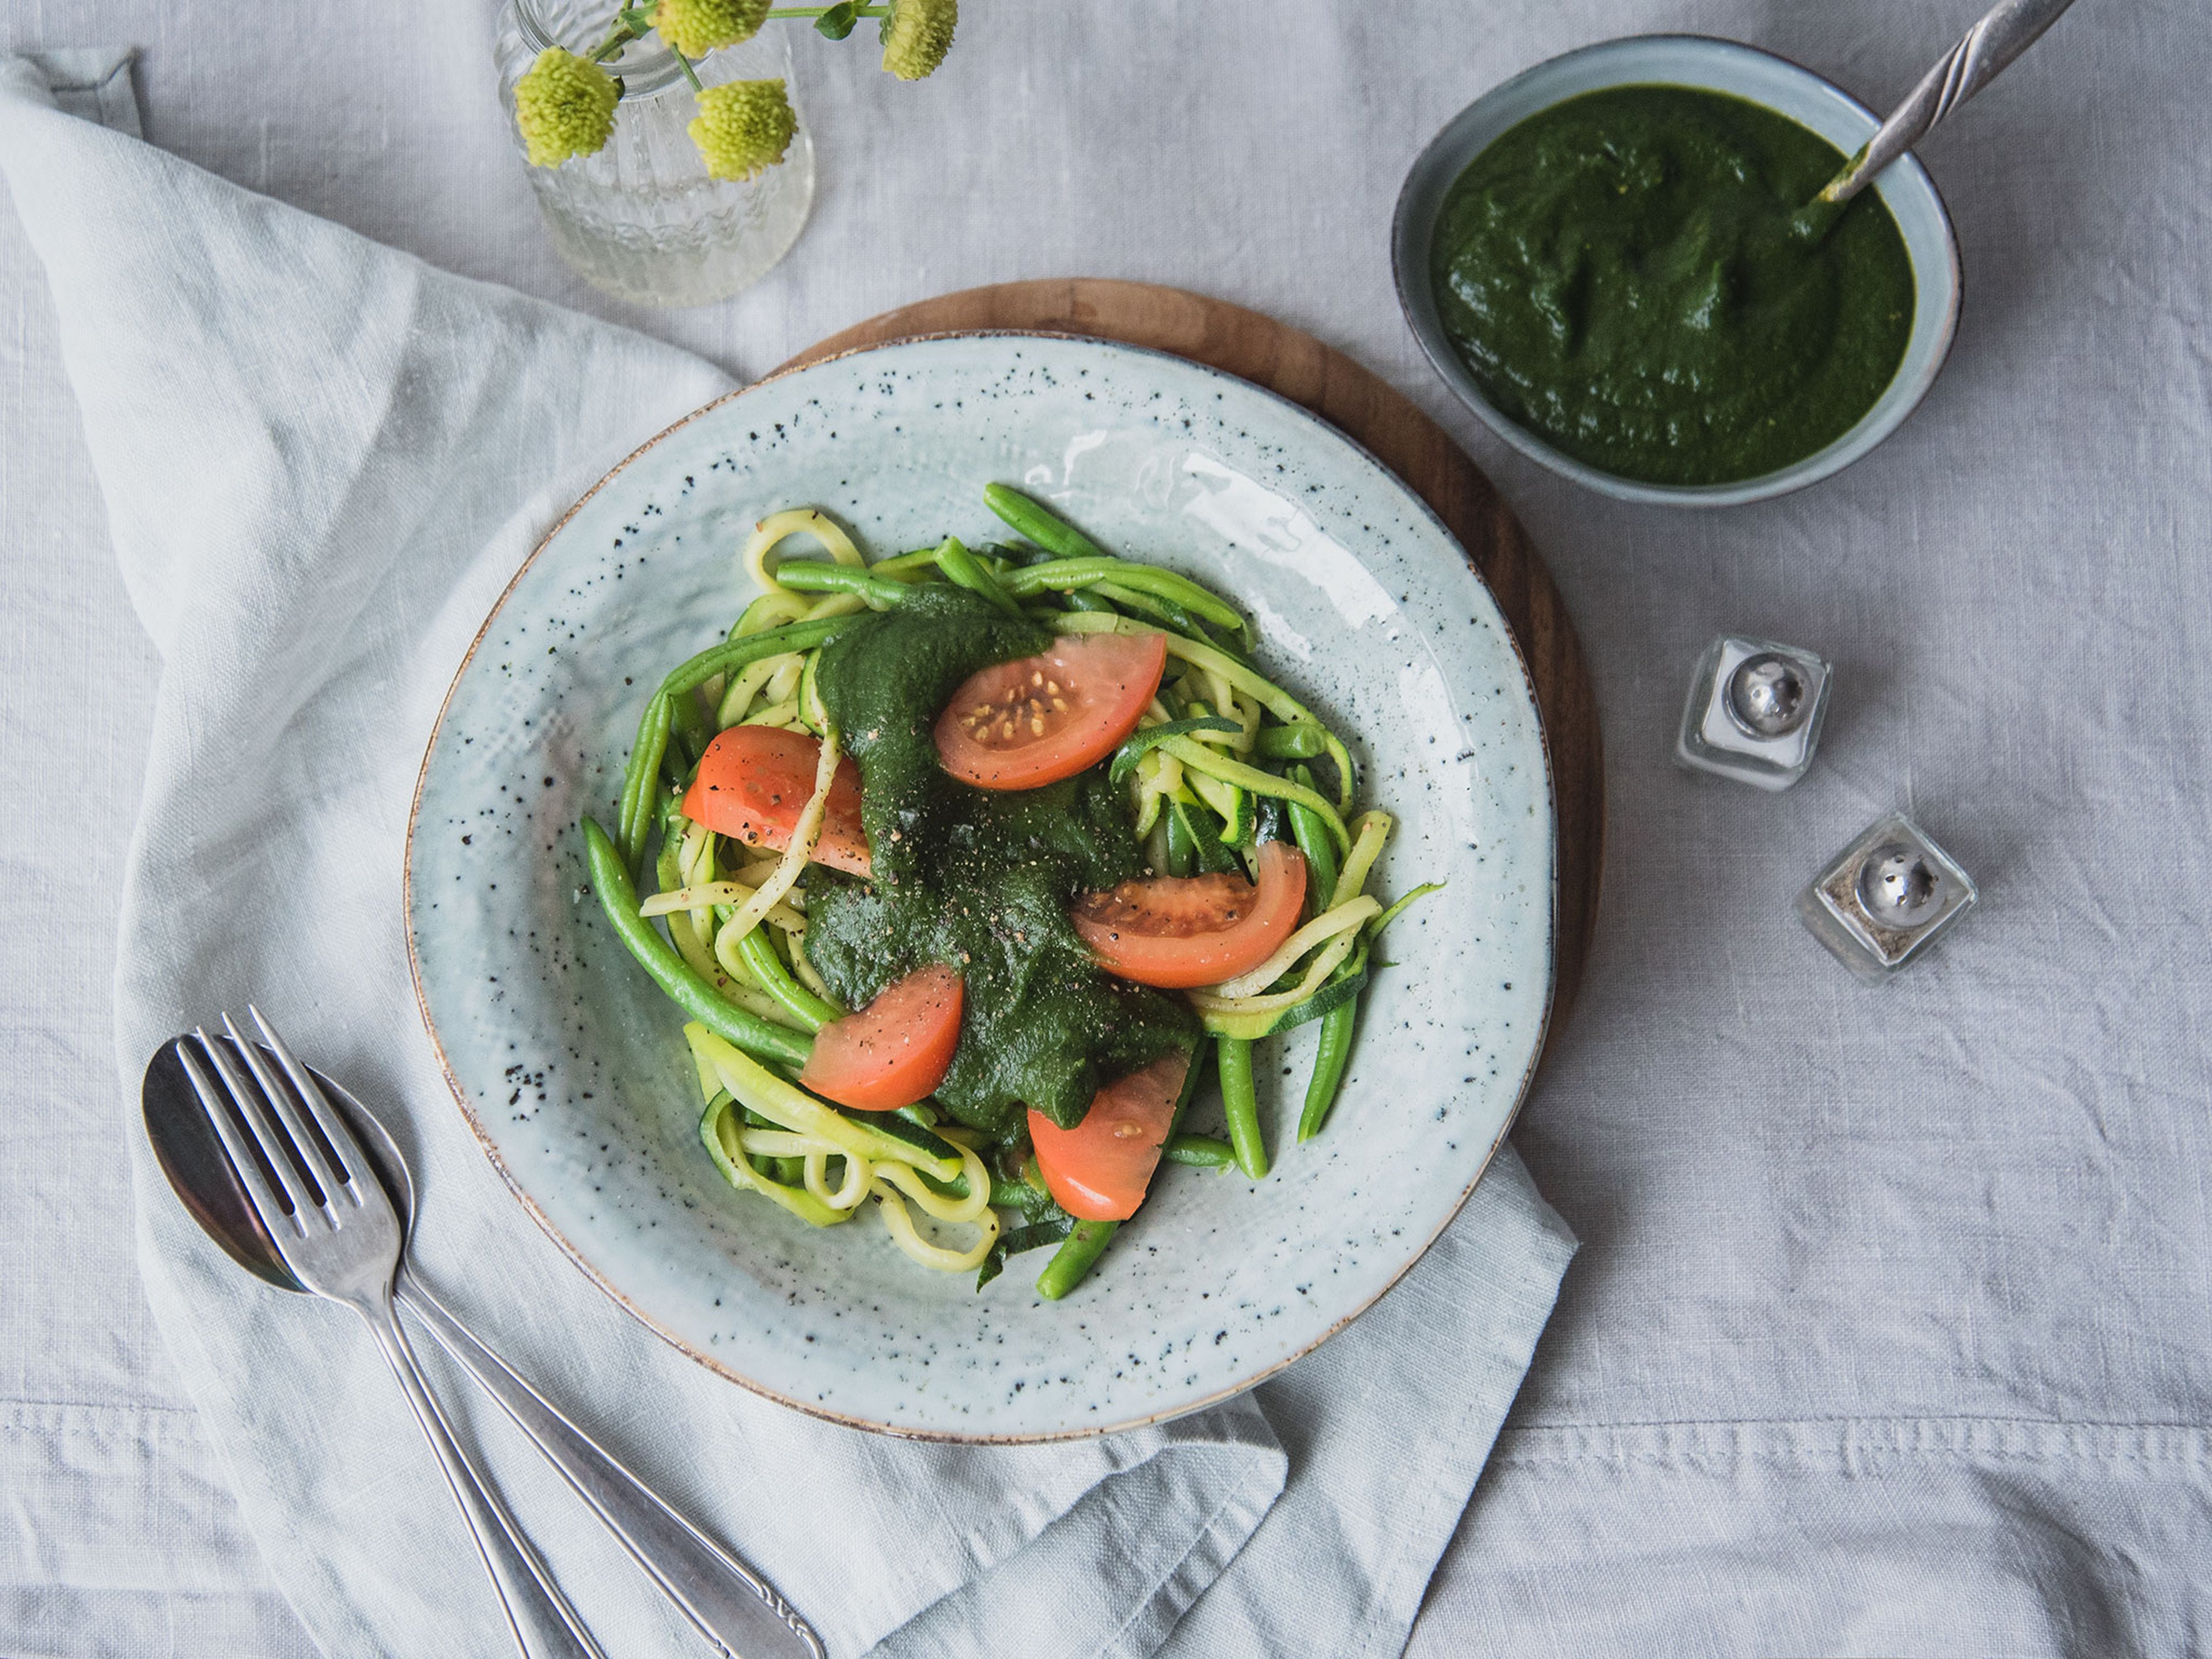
(1754, 711)
(642, 219)
(1884, 898)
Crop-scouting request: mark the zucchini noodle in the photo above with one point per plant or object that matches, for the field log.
(774, 608)
(720, 892)
(738, 696)
(781, 1143)
(731, 1159)
(759, 867)
(793, 862)
(695, 857)
(1374, 829)
(1158, 776)
(783, 714)
(902, 1229)
(801, 966)
(807, 521)
(937, 1204)
(1326, 926)
(762, 1090)
(1318, 969)
(859, 1172)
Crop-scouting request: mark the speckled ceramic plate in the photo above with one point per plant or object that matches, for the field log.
(570, 1065)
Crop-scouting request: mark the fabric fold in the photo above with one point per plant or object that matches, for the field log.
(322, 461)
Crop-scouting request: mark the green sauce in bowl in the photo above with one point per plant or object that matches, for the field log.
(1620, 275)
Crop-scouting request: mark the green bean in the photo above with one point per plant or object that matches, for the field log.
(1081, 599)
(1162, 610)
(795, 1000)
(963, 568)
(1329, 1061)
(1200, 1151)
(1240, 1102)
(1031, 518)
(691, 723)
(721, 658)
(610, 880)
(1146, 579)
(642, 778)
(812, 576)
(1300, 740)
(1072, 1259)
(1311, 835)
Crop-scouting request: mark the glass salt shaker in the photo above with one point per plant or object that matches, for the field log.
(1754, 712)
(642, 219)
(1884, 898)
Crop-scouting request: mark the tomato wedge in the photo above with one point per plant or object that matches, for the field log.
(1043, 719)
(1098, 1170)
(754, 781)
(1180, 930)
(893, 1052)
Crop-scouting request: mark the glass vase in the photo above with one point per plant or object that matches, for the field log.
(642, 219)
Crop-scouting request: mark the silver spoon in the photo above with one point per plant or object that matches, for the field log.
(732, 1605)
(2004, 32)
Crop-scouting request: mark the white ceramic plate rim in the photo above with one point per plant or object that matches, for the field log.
(1410, 234)
(484, 1140)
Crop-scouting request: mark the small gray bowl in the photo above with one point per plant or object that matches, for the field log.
(1727, 66)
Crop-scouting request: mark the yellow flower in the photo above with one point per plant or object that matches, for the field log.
(696, 28)
(917, 34)
(742, 127)
(565, 106)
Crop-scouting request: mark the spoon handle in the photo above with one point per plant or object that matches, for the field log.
(730, 1603)
(2004, 32)
(539, 1618)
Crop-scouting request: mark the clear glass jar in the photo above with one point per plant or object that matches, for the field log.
(642, 219)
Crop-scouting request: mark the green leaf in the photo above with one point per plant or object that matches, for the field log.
(837, 23)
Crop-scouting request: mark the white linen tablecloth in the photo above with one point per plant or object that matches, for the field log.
(1892, 1332)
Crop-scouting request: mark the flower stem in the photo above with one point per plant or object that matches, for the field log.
(630, 24)
(689, 74)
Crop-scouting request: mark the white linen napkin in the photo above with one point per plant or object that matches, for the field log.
(321, 461)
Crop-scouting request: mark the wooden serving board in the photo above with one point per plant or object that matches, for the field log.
(1296, 365)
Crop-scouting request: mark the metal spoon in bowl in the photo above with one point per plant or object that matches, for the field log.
(2003, 32)
(732, 1605)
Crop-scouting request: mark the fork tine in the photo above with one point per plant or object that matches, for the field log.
(335, 1130)
(242, 1161)
(331, 1181)
(253, 1112)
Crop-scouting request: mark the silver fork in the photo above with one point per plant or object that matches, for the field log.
(336, 1230)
